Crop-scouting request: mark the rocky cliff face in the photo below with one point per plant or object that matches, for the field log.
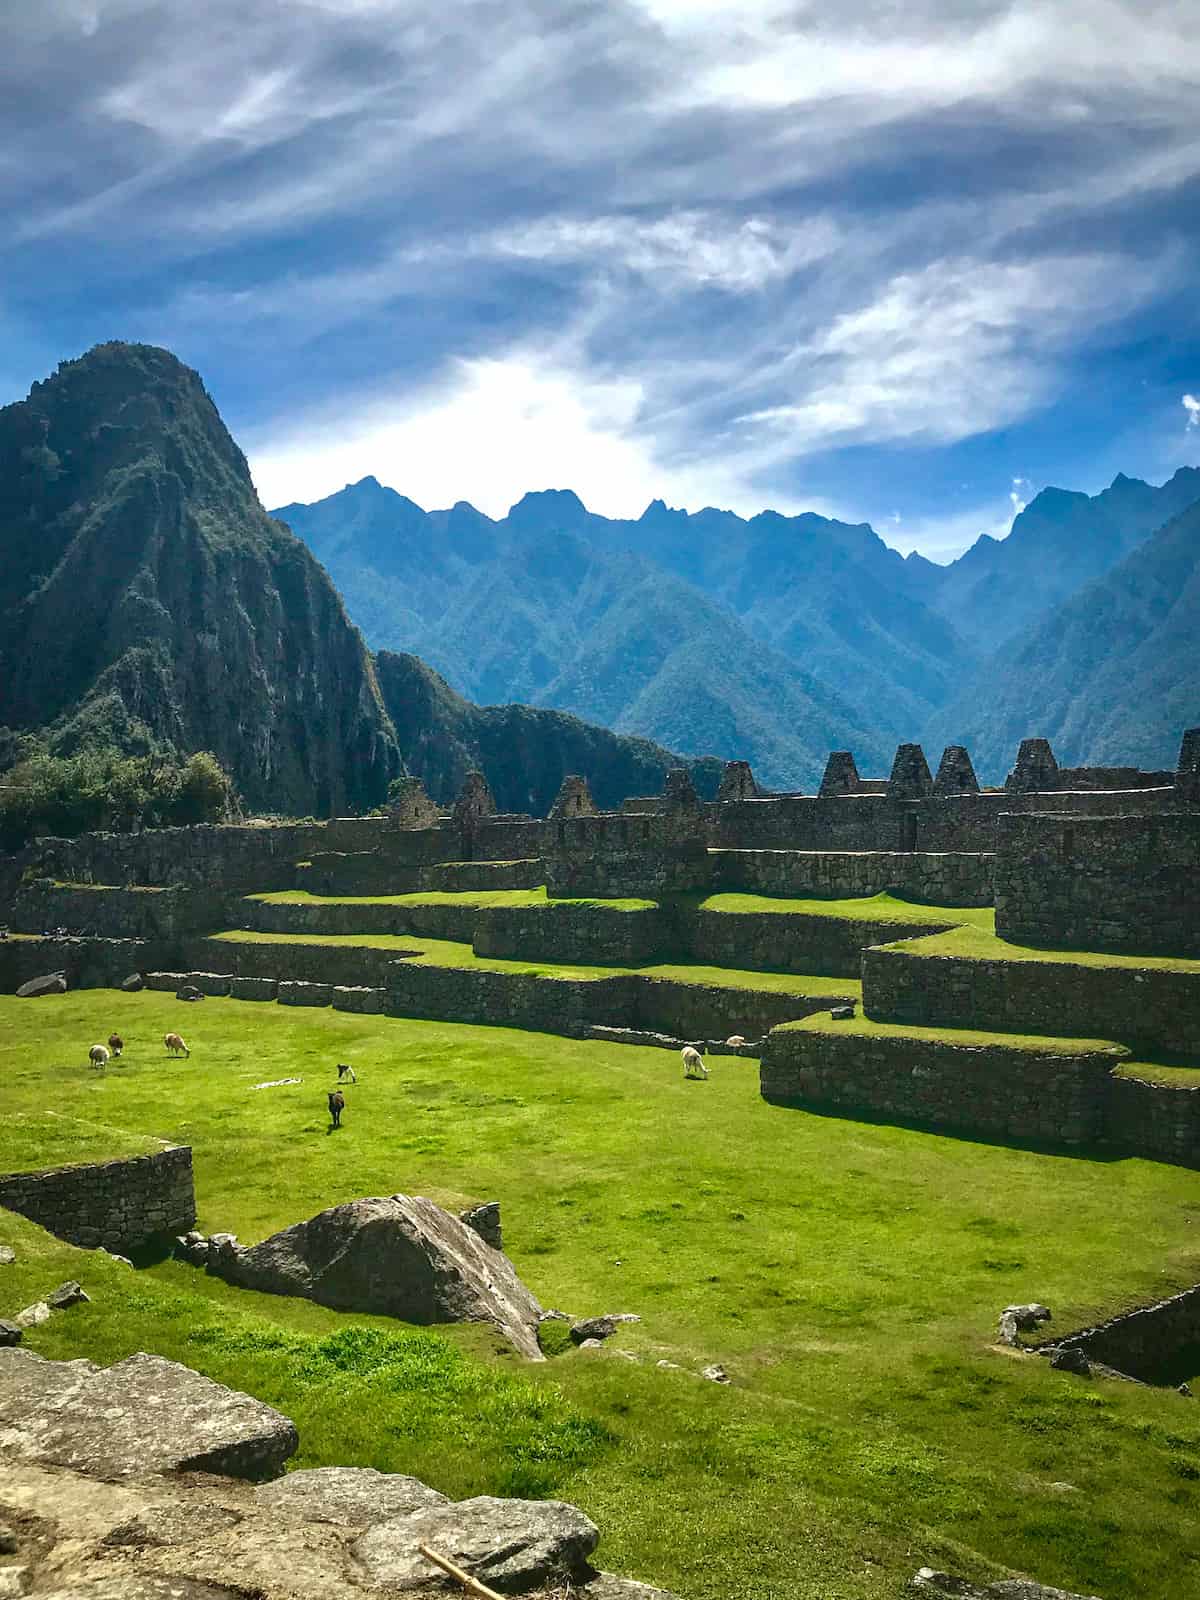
(147, 600)
(525, 751)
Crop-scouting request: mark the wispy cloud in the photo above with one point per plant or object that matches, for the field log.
(1192, 406)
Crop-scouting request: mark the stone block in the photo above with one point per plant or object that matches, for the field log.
(169, 982)
(214, 983)
(305, 994)
(349, 997)
(254, 988)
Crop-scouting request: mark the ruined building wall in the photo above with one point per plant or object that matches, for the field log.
(120, 1205)
(1116, 883)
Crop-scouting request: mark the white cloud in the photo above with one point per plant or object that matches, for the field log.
(688, 247)
(940, 355)
(1192, 406)
(493, 430)
(1018, 495)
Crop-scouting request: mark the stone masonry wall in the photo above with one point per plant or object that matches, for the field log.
(1150, 1008)
(941, 879)
(789, 941)
(1145, 1343)
(237, 859)
(997, 1090)
(573, 933)
(130, 912)
(1155, 1120)
(1114, 883)
(120, 1205)
(86, 963)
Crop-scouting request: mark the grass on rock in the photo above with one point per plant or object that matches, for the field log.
(863, 1027)
(847, 1274)
(976, 943)
(865, 908)
(446, 897)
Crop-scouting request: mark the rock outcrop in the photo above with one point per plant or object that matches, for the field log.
(141, 1415)
(931, 1583)
(209, 626)
(397, 1256)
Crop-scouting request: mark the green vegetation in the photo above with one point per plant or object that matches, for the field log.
(446, 897)
(864, 908)
(847, 1274)
(101, 789)
(1164, 1072)
(34, 1139)
(452, 953)
(823, 1023)
(977, 944)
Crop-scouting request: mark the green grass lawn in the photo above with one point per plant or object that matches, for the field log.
(867, 908)
(445, 897)
(847, 1274)
(452, 953)
(975, 942)
(822, 1022)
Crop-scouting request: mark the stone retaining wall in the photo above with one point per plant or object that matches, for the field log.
(121, 1205)
(944, 879)
(1113, 883)
(238, 859)
(86, 963)
(1155, 1120)
(118, 912)
(789, 941)
(1145, 1343)
(568, 933)
(997, 1090)
(1150, 1008)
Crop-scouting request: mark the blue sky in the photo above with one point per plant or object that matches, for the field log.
(903, 261)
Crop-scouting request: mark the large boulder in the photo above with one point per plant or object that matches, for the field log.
(397, 1256)
(511, 1545)
(50, 983)
(353, 1497)
(143, 1414)
(933, 1583)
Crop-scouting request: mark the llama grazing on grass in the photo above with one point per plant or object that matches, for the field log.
(693, 1062)
(116, 1044)
(175, 1045)
(98, 1055)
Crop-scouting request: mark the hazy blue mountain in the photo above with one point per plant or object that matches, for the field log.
(551, 607)
(1060, 542)
(1110, 677)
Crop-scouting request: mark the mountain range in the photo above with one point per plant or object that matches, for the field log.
(149, 603)
(772, 638)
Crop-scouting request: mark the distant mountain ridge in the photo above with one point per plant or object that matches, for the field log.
(149, 603)
(770, 638)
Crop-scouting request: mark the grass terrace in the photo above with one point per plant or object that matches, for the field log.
(973, 942)
(478, 898)
(847, 1274)
(865, 908)
(451, 953)
(821, 1022)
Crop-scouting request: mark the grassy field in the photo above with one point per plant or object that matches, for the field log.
(847, 1274)
(451, 953)
(863, 908)
(974, 942)
(445, 897)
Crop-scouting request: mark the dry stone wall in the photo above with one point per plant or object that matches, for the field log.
(997, 1089)
(125, 912)
(1116, 883)
(120, 1205)
(573, 933)
(942, 879)
(1156, 1120)
(85, 963)
(789, 941)
(1150, 1008)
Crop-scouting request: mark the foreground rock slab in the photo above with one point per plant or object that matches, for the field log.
(353, 1497)
(398, 1256)
(142, 1415)
(933, 1583)
(511, 1545)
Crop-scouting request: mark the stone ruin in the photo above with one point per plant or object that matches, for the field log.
(1036, 770)
(679, 793)
(574, 799)
(911, 778)
(737, 783)
(1187, 777)
(841, 775)
(955, 774)
(411, 807)
(475, 803)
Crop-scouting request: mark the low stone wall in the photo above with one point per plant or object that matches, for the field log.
(995, 1089)
(117, 912)
(1145, 1343)
(1150, 1008)
(943, 879)
(1113, 883)
(239, 859)
(716, 1011)
(356, 872)
(1154, 1120)
(306, 963)
(508, 999)
(435, 921)
(573, 933)
(86, 963)
(121, 1205)
(789, 941)
(455, 876)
